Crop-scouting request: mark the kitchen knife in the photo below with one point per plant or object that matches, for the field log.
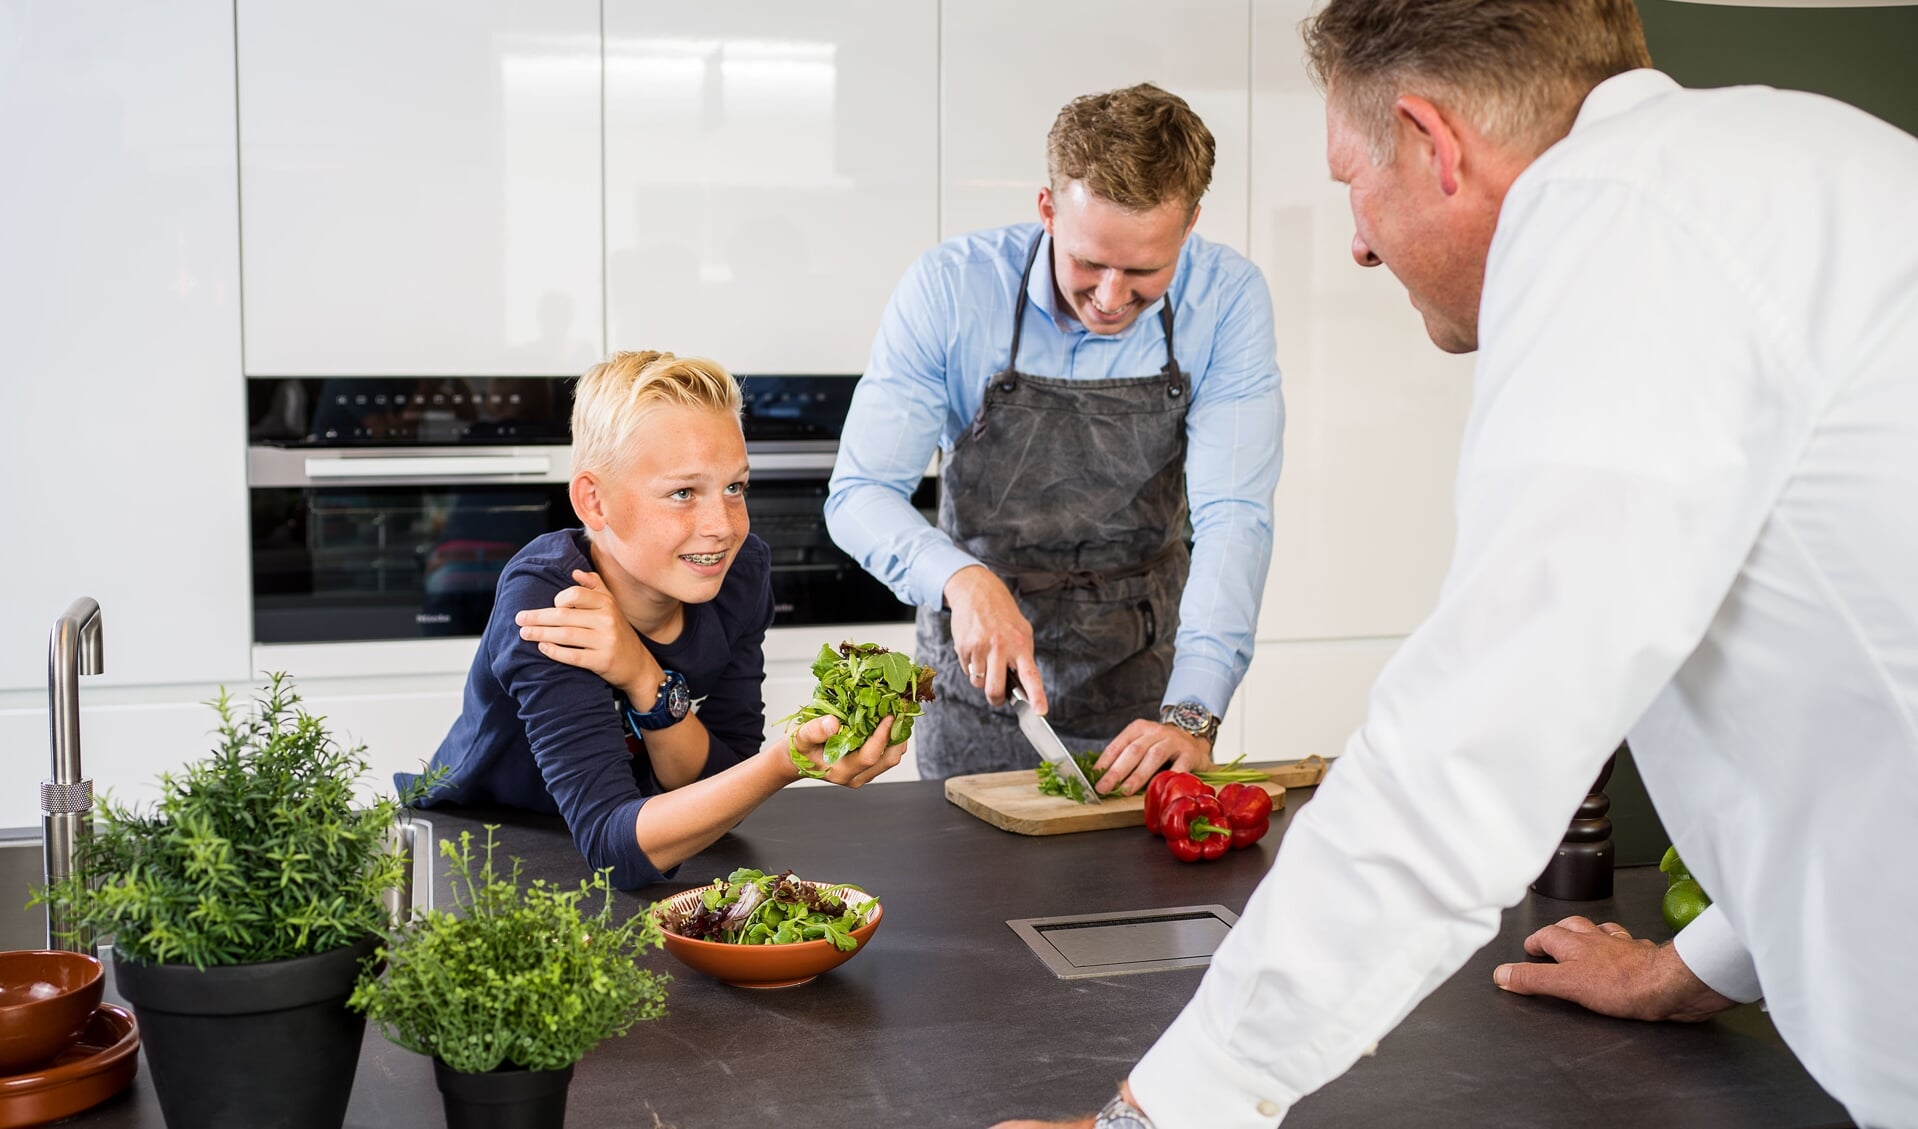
(1048, 744)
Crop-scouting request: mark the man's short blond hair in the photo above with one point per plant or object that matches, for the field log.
(614, 395)
(1137, 147)
(1518, 70)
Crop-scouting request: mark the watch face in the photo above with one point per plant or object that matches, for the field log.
(678, 698)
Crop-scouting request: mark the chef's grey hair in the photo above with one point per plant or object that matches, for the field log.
(1518, 70)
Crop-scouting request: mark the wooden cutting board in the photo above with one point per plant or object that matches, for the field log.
(1012, 800)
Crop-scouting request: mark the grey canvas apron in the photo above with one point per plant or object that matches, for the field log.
(1073, 493)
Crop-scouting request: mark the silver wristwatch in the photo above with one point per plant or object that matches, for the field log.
(1121, 1114)
(1192, 717)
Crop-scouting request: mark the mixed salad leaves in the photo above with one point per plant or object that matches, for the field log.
(750, 907)
(861, 684)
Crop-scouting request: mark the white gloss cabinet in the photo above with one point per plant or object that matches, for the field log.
(420, 187)
(1009, 65)
(122, 443)
(770, 173)
(1374, 411)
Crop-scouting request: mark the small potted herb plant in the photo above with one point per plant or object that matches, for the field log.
(242, 905)
(510, 992)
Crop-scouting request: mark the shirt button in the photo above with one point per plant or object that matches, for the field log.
(1268, 1109)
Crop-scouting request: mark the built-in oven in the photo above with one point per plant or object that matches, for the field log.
(385, 509)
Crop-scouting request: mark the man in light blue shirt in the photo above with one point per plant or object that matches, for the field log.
(1097, 384)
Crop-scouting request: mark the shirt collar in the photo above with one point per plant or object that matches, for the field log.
(1620, 93)
(1039, 291)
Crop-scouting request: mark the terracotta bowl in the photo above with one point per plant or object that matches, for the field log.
(46, 998)
(764, 966)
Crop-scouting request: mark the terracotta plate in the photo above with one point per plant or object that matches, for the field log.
(85, 1074)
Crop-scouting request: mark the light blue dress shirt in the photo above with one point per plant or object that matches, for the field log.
(948, 329)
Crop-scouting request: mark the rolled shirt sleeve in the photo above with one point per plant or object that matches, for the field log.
(897, 416)
(1234, 437)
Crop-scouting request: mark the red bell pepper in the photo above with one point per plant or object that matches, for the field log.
(1194, 827)
(1163, 789)
(1248, 811)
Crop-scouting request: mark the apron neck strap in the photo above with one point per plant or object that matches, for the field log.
(1019, 313)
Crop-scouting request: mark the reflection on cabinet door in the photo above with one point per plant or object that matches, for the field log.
(419, 187)
(770, 173)
(1009, 65)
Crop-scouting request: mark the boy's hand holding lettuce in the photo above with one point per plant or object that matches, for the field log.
(861, 684)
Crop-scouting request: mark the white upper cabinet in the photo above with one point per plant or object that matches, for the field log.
(1374, 411)
(1009, 66)
(771, 171)
(420, 187)
(122, 446)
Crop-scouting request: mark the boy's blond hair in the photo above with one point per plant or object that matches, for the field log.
(613, 395)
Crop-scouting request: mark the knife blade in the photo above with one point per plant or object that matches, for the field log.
(1043, 739)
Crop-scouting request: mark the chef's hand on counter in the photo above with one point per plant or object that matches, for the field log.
(991, 635)
(1603, 968)
(1142, 749)
(858, 767)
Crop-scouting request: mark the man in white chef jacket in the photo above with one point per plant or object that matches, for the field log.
(1687, 508)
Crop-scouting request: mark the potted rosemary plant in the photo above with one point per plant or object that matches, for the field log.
(242, 904)
(510, 992)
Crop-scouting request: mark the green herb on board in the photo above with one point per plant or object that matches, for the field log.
(1053, 784)
(861, 684)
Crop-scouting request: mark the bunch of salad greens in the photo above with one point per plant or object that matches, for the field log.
(1051, 783)
(750, 907)
(861, 684)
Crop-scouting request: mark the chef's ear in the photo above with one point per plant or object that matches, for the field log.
(1432, 137)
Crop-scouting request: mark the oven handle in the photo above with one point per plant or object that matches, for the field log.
(458, 466)
(282, 467)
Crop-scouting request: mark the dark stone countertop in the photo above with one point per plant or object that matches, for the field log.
(948, 1019)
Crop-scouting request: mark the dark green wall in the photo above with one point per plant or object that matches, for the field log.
(1865, 56)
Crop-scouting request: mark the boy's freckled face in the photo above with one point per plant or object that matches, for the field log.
(676, 513)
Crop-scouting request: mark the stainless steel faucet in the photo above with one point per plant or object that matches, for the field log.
(66, 801)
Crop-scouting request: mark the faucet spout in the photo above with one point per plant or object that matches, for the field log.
(75, 647)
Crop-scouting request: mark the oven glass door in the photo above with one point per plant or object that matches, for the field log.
(334, 564)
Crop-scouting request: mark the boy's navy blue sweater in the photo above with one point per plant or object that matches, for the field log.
(538, 734)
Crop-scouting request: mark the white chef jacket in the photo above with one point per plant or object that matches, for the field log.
(1687, 507)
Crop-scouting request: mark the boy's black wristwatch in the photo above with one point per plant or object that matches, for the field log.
(1192, 717)
(674, 701)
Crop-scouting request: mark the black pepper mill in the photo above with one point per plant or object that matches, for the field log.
(1582, 869)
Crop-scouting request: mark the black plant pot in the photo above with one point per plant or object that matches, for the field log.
(507, 1098)
(250, 1046)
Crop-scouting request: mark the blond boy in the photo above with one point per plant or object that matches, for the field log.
(618, 681)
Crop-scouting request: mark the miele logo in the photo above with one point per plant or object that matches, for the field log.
(433, 617)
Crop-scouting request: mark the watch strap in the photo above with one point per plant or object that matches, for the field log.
(1121, 1114)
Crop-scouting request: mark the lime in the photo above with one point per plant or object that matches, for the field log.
(1685, 900)
(1673, 867)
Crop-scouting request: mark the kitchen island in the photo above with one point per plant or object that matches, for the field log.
(948, 1019)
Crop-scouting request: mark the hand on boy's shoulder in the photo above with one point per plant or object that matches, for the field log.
(585, 628)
